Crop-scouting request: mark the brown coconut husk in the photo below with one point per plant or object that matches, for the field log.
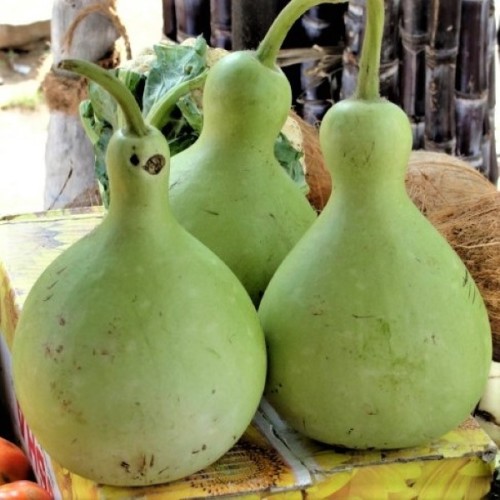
(317, 175)
(437, 180)
(433, 179)
(472, 227)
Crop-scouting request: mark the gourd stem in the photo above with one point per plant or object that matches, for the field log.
(160, 112)
(131, 111)
(267, 51)
(368, 84)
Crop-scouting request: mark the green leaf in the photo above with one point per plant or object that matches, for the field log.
(191, 113)
(104, 106)
(100, 162)
(134, 81)
(289, 159)
(174, 64)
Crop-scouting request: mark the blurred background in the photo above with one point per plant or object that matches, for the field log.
(426, 46)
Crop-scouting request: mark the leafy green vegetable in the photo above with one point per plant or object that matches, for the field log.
(174, 64)
(149, 77)
(289, 159)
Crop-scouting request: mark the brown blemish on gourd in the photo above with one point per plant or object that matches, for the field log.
(155, 164)
(51, 352)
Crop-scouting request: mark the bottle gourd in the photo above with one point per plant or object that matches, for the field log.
(228, 189)
(377, 335)
(138, 358)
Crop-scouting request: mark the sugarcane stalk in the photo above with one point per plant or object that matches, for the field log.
(489, 142)
(441, 57)
(320, 85)
(414, 36)
(472, 82)
(220, 24)
(193, 18)
(169, 21)
(250, 20)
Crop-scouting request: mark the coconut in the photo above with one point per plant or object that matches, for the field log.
(437, 180)
(472, 227)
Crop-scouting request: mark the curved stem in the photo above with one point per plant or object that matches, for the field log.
(368, 84)
(267, 51)
(131, 111)
(159, 114)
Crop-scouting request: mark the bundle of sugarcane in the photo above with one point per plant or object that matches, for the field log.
(437, 62)
(446, 80)
(320, 83)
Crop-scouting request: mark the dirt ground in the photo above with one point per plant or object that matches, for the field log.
(24, 116)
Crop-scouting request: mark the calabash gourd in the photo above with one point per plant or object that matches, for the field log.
(228, 189)
(138, 357)
(377, 335)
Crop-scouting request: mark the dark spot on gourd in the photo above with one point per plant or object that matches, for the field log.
(350, 430)
(134, 159)
(52, 285)
(48, 297)
(62, 320)
(126, 466)
(211, 212)
(155, 164)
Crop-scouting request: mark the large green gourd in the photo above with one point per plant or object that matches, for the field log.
(138, 358)
(377, 335)
(228, 189)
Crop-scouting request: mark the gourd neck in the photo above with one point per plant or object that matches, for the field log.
(244, 102)
(135, 202)
(238, 138)
(137, 156)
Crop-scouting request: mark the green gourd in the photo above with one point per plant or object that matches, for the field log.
(228, 189)
(138, 358)
(377, 335)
